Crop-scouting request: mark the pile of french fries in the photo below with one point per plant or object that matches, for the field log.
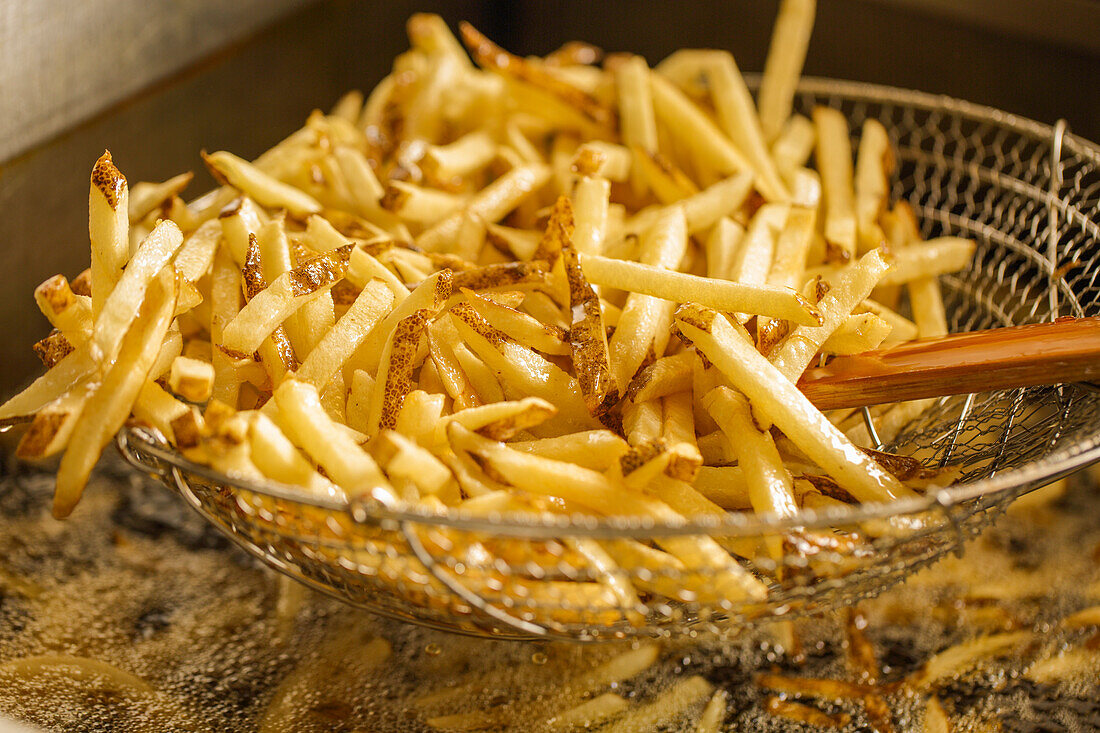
(561, 285)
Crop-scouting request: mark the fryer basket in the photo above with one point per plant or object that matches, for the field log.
(1027, 193)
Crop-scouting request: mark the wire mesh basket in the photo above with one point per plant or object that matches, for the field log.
(1026, 192)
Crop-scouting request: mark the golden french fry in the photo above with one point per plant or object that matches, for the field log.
(490, 203)
(147, 197)
(463, 157)
(636, 116)
(230, 170)
(927, 259)
(595, 449)
(721, 248)
(797, 350)
(786, 54)
(901, 328)
(590, 713)
(52, 426)
(340, 342)
(961, 657)
(121, 307)
(191, 379)
(727, 346)
(874, 166)
(794, 145)
(303, 419)
(679, 287)
(857, 334)
(489, 55)
(737, 115)
(691, 127)
(196, 255)
(109, 406)
(834, 160)
(665, 707)
(642, 421)
(926, 302)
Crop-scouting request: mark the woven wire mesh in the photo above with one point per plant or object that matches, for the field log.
(1026, 193)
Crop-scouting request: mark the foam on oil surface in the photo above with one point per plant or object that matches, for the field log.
(138, 582)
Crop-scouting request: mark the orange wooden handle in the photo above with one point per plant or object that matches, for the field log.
(1067, 350)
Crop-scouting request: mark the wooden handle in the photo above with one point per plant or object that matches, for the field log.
(1067, 350)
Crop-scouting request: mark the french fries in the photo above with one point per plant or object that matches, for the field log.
(108, 407)
(460, 293)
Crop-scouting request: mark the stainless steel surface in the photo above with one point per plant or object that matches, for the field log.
(62, 61)
(967, 170)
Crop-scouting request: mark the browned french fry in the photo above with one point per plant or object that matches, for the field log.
(394, 379)
(523, 368)
(276, 352)
(108, 228)
(588, 335)
(489, 55)
(69, 313)
(520, 326)
(52, 349)
(289, 292)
